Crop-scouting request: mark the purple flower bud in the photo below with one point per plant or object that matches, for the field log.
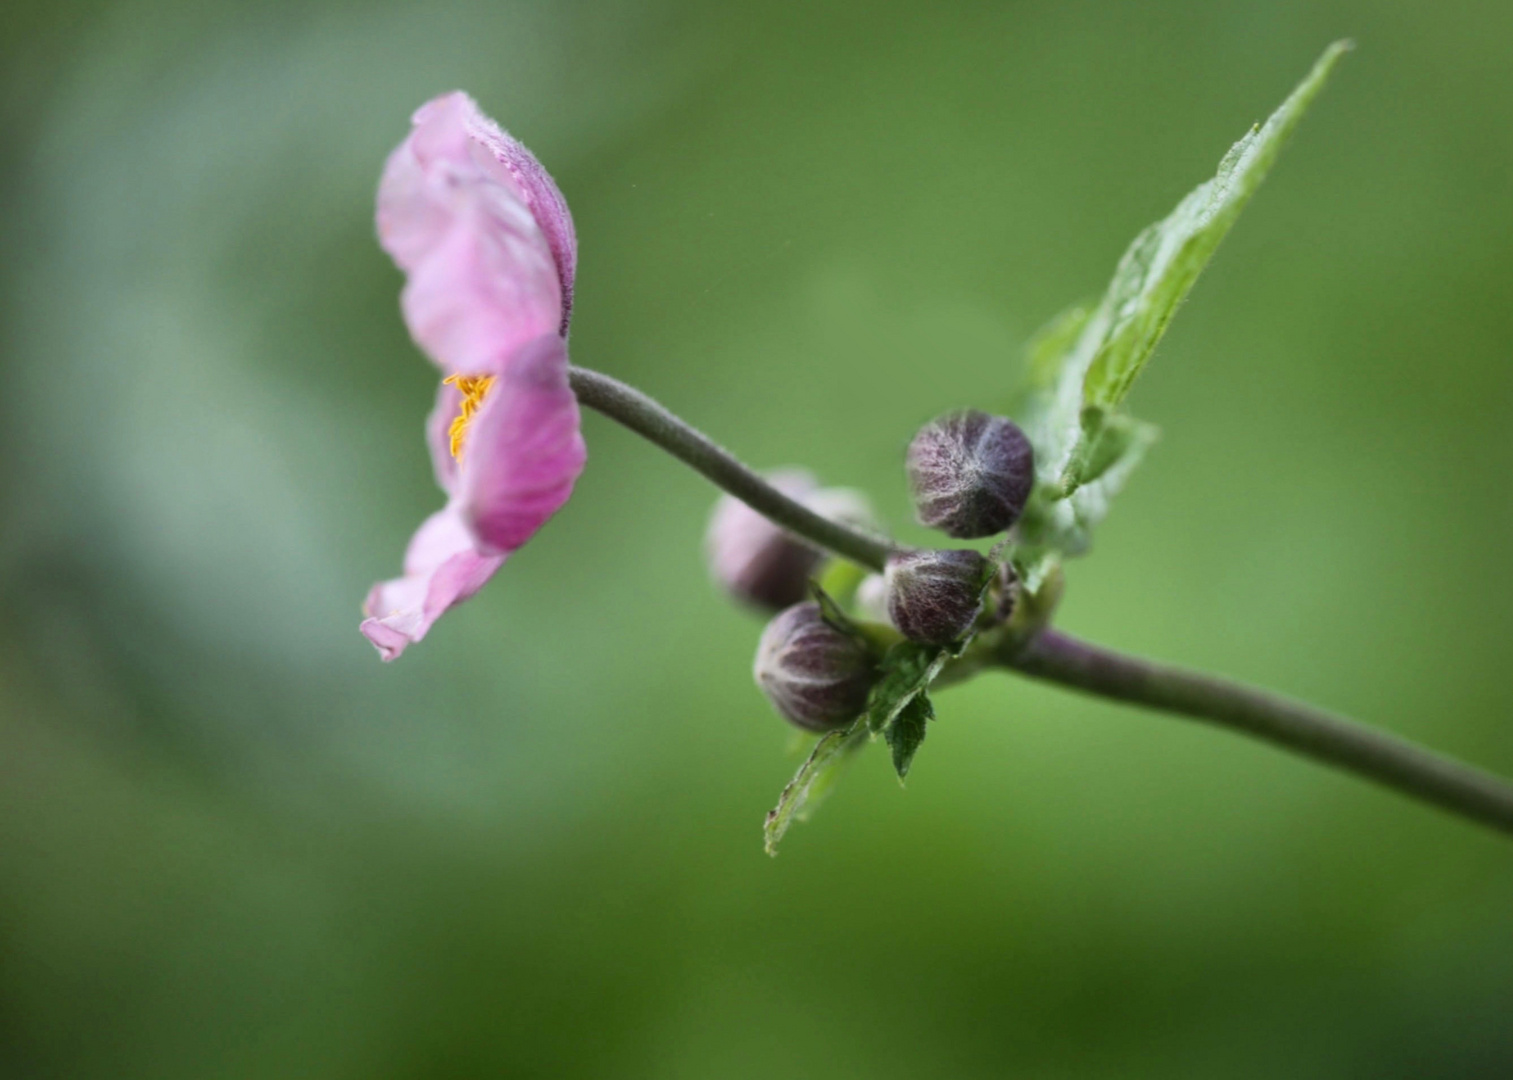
(815, 676)
(763, 565)
(935, 596)
(971, 473)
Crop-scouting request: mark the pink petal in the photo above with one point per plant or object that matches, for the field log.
(482, 233)
(541, 194)
(442, 568)
(523, 451)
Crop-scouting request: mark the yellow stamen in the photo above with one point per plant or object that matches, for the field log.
(473, 388)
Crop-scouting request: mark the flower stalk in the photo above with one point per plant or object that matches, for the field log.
(654, 422)
(1387, 759)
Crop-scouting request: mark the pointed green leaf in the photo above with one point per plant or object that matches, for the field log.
(812, 781)
(907, 669)
(1120, 447)
(908, 730)
(1152, 279)
(898, 706)
(1065, 525)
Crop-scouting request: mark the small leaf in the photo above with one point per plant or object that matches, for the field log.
(908, 669)
(1121, 446)
(908, 730)
(1065, 525)
(1150, 282)
(812, 781)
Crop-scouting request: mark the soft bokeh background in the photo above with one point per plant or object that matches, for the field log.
(232, 844)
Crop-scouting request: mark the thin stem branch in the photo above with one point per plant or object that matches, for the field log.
(651, 420)
(1375, 755)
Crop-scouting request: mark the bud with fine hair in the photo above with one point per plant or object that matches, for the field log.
(935, 596)
(971, 473)
(815, 676)
(763, 565)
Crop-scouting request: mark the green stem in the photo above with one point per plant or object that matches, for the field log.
(651, 420)
(1375, 755)
(1396, 763)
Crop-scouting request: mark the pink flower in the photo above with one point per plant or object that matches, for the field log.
(487, 244)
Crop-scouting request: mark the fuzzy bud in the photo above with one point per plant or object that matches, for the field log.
(935, 596)
(762, 565)
(971, 473)
(815, 676)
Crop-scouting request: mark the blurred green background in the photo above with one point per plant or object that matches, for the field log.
(233, 844)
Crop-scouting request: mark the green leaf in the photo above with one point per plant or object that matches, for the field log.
(908, 730)
(898, 705)
(812, 781)
(1065, 525)
(908, 670)
(1119, 449)
(1150, 282)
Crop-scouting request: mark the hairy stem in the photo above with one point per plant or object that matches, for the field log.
(651, 420)
(1375, 755)
(1057, 658)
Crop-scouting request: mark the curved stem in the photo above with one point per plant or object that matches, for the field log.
(650, 419)
(1375, 755)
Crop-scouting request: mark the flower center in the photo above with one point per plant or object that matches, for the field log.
(473, 388)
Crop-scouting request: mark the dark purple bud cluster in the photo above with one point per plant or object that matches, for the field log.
(935, 596)
(971, 474)
(815, 676)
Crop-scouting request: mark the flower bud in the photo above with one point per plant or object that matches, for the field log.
(935, 596)
(871, 600)
(814, 675)
(765, 566)
(971, 473)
